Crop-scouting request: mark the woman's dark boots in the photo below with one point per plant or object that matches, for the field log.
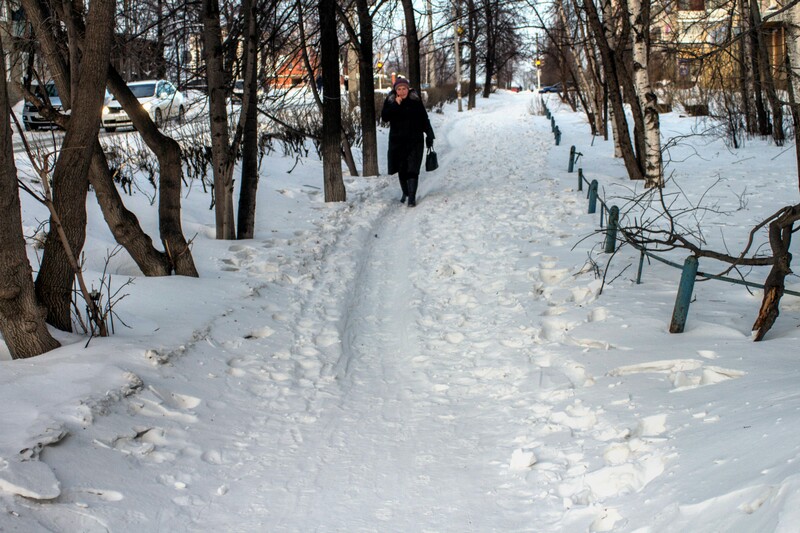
(412, 191)
(404, 187)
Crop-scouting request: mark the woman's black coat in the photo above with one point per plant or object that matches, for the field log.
(408, 121)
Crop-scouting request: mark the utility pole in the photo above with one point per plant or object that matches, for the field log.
(379, 68)
(538, 65)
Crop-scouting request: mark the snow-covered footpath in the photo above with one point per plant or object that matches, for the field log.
(368, 367)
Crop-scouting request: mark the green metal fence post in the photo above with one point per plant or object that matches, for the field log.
(684, 297)
(571, 165)
(611, 231)
(592, 197)
(641, 266)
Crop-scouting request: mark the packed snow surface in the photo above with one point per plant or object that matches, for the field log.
(460, 366)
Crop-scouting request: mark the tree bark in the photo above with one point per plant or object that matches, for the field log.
(412, 44)
(122, 223)
(780, 239)
(472, 35)
(746, 72)
(793, 104)
(586, 91)
(22, 319)
(640, 25)
(490, 44)
(591, 80)
(625, 76)
(249, 177)
(332, 103)
(70, 176)
(218, 115)
(753, 37)
(610, 68)
(369, 142)
(168, 153)
(775, 104)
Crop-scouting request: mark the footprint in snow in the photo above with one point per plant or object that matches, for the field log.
(260, 333)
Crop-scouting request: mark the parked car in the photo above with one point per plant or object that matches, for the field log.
(159, 98)
(31, 119)
(197, 84)
(238, 90)
(556, 88)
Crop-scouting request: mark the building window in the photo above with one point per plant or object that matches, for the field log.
(692, 5)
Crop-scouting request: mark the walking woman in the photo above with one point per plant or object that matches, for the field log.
(408, 121)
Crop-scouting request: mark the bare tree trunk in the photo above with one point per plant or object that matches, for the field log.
(610, 110)
(780, 239)
(369, 141)
(793, 57)
(22, 321)
(249, 176)
(352, 72)
(593, 81)
(412, 44)
(753, 46)
(122, 223)
(430, 60)
(70, 176)
(168, 153)
(457, 49)
(640, 25)
(746, 72)
(472, 35)
(625, 76)
(610, 67)
(491, 50)
(346, 150)
(218, 115)
(47, 29)
(332, 106)
(586, 92)
(775, 104)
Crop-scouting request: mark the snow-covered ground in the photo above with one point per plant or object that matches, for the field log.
(363, 366)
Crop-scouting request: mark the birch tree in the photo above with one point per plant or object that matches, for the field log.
(611, 62)
(640, 25)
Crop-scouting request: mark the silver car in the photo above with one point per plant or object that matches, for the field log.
(159, 98)
(31, 119)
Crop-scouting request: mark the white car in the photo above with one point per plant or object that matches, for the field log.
(159, 98)
(30, 114)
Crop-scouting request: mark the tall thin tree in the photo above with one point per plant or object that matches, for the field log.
(70, 175)
(412, 43)
(332, 103)
(21, 317)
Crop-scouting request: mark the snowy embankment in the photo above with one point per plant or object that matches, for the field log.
(369, 367)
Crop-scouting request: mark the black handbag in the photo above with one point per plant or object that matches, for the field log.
(431, 161)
